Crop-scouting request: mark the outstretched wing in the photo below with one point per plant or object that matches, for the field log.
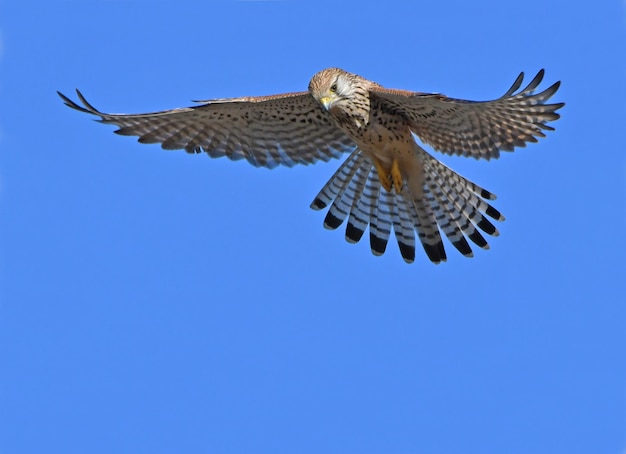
(477, 129)
(286, 129)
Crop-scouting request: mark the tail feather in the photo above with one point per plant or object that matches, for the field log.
(447, 219)
(363, 206)
(345, 193)
(350, 193)
(448, 203)
(456, 212)
(465, 197)
(427, 231)
(336, 183)
(404, 227)
(380, 222)
(354, 195)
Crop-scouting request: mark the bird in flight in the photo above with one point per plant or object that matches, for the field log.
(388, 182)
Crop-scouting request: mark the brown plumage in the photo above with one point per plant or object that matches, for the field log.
(388, 182)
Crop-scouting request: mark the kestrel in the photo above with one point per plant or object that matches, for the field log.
(388, 181)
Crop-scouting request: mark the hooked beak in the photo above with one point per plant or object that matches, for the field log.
(326, 100)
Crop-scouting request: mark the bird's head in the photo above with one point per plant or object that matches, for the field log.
(333, 87)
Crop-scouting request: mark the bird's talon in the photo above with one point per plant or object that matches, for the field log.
(385, 181)
(383, 176)
(396, 176)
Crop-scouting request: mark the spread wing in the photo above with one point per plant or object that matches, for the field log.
(477, 129)
(283, 129)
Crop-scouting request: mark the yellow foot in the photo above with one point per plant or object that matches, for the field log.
(383, 175)
(396, 176)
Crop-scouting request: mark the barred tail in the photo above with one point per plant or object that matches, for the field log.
(449, 203)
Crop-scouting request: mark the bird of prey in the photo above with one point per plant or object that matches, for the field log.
(387, 182)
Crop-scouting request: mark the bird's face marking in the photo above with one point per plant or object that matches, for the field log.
(344, 95)
(332, 87)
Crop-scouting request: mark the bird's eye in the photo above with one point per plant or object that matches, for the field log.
(333, 88)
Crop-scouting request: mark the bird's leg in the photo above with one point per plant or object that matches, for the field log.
(389, 179)
(383, 175)
(396, 176)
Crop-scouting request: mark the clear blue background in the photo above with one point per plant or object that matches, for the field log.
(156, 302)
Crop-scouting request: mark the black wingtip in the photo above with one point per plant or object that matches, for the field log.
(548, 93)
(86, 107)
(535, 82)
(515, 86)
(69, 103)
(91, 108)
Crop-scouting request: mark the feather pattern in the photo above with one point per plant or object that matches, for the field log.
(477, 129)
(267, 131)
(345, 113)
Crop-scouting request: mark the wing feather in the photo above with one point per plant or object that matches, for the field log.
(267, 131)
(477, 129)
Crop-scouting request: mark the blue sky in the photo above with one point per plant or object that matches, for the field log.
(154, 301)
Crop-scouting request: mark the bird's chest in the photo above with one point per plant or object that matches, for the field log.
(383, 135)
(377, 128)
